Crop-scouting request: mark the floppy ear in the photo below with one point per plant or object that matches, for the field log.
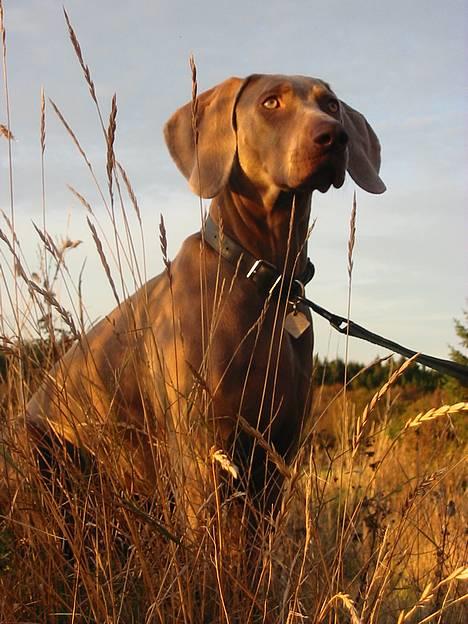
(216, 138)
(363, 150)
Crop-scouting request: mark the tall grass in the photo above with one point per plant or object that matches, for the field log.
(371, 528)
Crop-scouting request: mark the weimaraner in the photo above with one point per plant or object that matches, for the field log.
(215, 353)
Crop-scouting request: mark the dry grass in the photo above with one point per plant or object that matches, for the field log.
(373, 535)
(372, 528)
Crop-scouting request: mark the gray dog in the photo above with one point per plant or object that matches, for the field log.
(216, 352)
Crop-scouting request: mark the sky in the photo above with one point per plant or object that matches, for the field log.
(402, 64)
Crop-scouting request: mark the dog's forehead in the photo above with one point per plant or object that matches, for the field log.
(302, 85)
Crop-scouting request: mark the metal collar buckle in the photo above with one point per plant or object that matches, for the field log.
(256, 267)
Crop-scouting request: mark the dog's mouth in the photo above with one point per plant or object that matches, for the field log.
(329, 171)
(325, 177)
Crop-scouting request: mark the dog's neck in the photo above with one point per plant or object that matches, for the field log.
(264, 229)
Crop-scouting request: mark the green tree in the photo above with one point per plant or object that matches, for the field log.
(461, 329)
(455, 389)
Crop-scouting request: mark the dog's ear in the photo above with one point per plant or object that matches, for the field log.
(363, 150)
(206, 166)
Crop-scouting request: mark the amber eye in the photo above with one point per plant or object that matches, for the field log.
(333, 106)
(271, 103)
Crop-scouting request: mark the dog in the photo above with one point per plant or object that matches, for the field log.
(215, 353)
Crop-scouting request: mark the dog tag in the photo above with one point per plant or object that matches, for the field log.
(296, 323)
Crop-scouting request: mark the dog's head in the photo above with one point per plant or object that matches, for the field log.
(287, 132)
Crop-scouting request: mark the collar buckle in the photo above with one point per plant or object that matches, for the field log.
(270, 269)
(257, 265)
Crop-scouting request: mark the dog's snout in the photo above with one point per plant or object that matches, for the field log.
(332, 135)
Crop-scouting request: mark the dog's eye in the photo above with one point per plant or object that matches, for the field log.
(333, 106)
(271, 103)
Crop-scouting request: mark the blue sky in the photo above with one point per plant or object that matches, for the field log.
(404, 65)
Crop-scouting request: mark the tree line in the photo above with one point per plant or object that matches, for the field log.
(329, 372)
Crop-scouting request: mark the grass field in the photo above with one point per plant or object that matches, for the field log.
(373, 529)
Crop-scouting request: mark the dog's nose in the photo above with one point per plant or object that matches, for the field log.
(331, 136)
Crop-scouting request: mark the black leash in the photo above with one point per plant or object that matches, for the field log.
(267, 277)
(346, 326)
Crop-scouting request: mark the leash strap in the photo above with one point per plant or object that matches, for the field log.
(267, 277)
(345, 326)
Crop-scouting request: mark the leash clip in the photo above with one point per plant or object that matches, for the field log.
(298, 290)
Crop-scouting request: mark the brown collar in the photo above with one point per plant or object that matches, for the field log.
(265, 275)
